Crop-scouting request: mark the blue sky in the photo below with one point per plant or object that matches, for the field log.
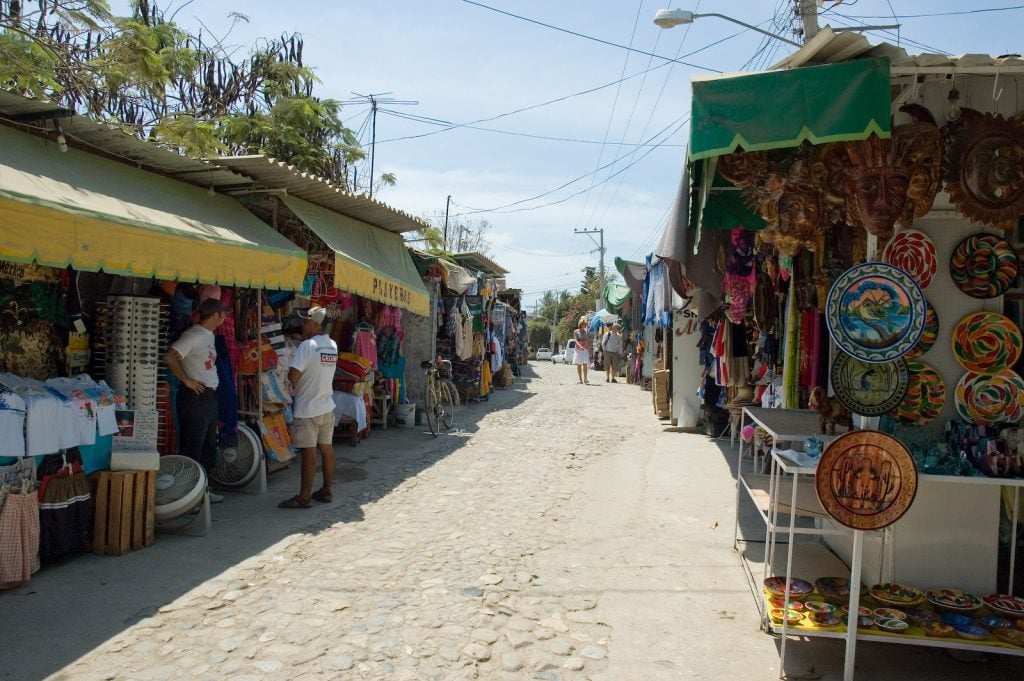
(462, 63)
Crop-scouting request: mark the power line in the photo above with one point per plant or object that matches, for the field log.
(936, 14)
(589, 37)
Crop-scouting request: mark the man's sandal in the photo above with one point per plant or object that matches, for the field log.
(294, 502)
(322, 496)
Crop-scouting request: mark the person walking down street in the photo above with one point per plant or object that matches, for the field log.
(612, 346)
(581, 356)
(193, 360)
(311, 374)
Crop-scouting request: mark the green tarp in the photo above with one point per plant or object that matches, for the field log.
(615, 296)
(780, 109)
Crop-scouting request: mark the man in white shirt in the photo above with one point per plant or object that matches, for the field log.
(193, 359)
(311, 374)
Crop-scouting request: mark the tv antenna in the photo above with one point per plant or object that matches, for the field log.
(375, 99)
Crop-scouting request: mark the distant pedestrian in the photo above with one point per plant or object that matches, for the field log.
(612, 346)
(581, 356)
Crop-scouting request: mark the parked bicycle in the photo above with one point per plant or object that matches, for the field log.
(438, 399)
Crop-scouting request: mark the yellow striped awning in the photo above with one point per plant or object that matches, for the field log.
(79, 209)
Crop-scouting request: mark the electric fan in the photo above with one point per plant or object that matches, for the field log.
(238, 466)
(180, 489)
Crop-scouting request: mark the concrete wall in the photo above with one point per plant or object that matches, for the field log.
(418, 346)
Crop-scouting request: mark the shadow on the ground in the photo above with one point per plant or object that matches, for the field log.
(71, 607)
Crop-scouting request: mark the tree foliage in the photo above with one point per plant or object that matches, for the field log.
(538, 332)
(147, 74)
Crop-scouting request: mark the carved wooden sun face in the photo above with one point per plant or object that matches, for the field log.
(986, 174)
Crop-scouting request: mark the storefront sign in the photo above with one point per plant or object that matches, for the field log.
(866, 480)
(391, 293)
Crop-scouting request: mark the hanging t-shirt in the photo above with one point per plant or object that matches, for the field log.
(198, 351)
(316, 358)
(104, 397)
(12, 424)
(85, 405)
(42, 421)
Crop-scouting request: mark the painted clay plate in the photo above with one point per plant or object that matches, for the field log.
(833, 589)
(914, 253)
(896, 595)
(866, 388)
(986, 342)
(926, 395)
(875, 312)
(798, 588)
(1006, 605)
(928, 336)
(954, 600)
(990, 398)
(983, 265)
(1013, 636)
(866, 480)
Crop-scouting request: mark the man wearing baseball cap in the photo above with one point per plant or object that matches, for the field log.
(193, 360)
(311, 374)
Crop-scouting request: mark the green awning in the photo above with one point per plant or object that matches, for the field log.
(368, 261)
(780, 109)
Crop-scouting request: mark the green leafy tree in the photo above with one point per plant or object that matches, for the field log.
(147, 74)
(538, 332)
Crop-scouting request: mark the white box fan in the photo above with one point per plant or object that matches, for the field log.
(181, 489)
(238, 466)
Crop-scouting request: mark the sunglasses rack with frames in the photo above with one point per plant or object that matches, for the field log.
(135, 341)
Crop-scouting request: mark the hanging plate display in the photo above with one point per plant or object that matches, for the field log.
(875, 312)
(866, 479)
(869, 389)
(983, 265)
(928, 336)
(990, 398)
(914, 253)
(926, 395)
(986, 342)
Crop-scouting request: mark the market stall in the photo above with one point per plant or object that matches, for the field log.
(852, 233)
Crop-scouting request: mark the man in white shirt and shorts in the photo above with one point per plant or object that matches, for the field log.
(193, 360)
(311, 374)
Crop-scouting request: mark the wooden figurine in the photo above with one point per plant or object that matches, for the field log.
(830, 411)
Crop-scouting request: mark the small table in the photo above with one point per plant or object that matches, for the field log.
(381, 408)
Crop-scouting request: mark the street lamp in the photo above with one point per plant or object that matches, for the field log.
(670, 18)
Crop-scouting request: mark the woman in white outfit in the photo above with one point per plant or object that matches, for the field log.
(582, 354)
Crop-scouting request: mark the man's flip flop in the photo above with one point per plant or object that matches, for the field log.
(294, 502)
(323, 497)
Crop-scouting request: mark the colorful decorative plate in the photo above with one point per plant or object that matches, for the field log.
(1006, 605)
(869, 389)
(875, 312)
(995, 622)
(928, 336)
(990, 398)
(926, 395)
(896, 595)
(833, 589)
(798, 588)
(954, 600)
(1012, 636)
(983, 265)
(986, 342)
(866, 480)
(914, 253)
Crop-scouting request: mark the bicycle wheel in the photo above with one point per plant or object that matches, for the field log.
(431, 407)
(447, 405)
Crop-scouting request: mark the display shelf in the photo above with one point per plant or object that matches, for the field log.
(949, 643)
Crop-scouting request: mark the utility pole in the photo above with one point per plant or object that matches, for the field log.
(446, 205)
(600, 246)
(375, 99)
(807, 10)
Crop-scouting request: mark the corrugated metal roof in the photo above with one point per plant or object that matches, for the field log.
(829, 47)
(222, 174)
(114, 142)
(273, 174)
(480, 262)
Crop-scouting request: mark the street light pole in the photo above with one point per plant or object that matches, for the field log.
(446, 205)
(669, 18)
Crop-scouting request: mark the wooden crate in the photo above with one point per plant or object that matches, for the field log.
(123, 518)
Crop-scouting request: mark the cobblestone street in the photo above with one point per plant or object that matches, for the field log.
(560, 533)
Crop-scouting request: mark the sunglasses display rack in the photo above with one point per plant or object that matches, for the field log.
(131, 342)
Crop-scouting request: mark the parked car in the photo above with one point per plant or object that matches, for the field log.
(543, 353)
(567, 355)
